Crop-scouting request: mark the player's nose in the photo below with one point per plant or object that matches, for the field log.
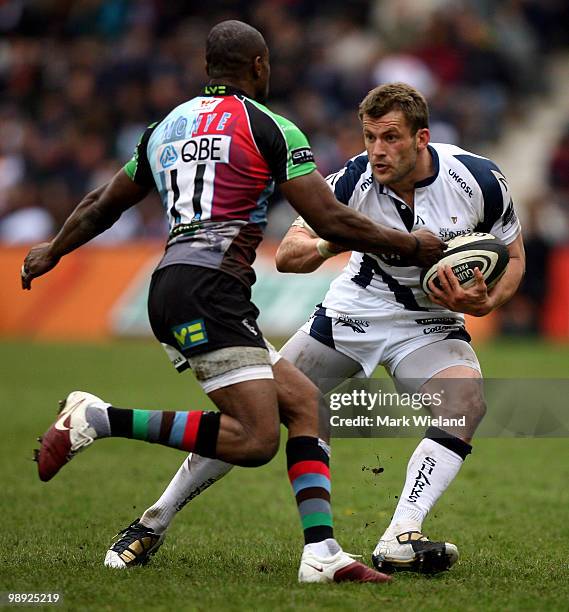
(378, 150)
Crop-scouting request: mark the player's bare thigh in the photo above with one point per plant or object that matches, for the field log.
(240, 382)
(322, 367)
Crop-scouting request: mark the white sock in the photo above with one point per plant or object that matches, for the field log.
(323, 549)
(431, 469)
(195, 475)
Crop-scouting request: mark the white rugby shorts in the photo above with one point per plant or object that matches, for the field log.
(383, 337)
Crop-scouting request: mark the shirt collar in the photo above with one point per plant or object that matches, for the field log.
(430, 179)
(425, 182)
(222, 90)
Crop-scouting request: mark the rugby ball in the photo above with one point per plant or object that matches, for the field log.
(464, 253)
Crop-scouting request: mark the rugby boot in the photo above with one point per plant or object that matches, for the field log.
(412, 551)
(134, 546)
(69, 434)
(340, 567)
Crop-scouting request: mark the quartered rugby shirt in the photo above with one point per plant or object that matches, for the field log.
(215, 160)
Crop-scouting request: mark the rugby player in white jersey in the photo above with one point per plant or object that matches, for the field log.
(376, 314)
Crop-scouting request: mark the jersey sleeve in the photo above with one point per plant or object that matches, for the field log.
(138, 167)
(507, 228)
(497, 214)
(281, 143)
(343, 183)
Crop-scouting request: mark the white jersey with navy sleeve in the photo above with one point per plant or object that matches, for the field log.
(466, 193)
(375, 312)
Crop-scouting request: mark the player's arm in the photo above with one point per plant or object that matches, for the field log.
(478, 300)
(312, 198)
(507, 286)
(96, 212)
(503, 223)
(290, 159)
(302, 251)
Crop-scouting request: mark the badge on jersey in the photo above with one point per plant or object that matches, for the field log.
(190, 334)
(168, 157)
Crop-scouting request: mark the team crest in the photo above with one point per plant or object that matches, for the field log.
(454, 219)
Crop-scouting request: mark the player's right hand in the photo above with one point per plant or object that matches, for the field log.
(429, 250)
(37, 262)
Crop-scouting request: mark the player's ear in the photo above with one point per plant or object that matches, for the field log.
(423, 137)
(257, 66)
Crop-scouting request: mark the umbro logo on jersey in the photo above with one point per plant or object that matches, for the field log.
(366, 184)
(463, 184)
(168, 157)
(509, 217)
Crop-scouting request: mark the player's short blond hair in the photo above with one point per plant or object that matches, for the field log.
(397, 96)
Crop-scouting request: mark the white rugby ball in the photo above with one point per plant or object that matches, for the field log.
(464, 253)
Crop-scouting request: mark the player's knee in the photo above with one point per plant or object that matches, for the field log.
(474, 405)
(261, 449)
(478, 407)
(298, 404)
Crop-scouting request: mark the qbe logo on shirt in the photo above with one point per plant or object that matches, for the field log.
(200, 149)
(206, 149)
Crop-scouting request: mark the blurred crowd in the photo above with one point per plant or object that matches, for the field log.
(81, 79)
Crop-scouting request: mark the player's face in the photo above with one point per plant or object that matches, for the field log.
(391, 147)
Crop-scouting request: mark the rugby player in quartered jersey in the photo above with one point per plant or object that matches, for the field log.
(215, 160)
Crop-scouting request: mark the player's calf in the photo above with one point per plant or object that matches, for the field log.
(246, 436)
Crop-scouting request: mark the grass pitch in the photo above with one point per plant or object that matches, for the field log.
(237, 546)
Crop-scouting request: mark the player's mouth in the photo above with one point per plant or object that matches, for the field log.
(381, 168)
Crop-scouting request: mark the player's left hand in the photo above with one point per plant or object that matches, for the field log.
(473, 301)
(37, 262)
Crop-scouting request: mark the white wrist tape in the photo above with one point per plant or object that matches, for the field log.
(323, 250)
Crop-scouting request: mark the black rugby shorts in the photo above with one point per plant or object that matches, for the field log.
(197, 310)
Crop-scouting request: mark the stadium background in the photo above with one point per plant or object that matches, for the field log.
(79, 81)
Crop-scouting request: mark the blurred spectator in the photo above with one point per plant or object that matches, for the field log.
(559, 167)
(24, 221)
(79, 81)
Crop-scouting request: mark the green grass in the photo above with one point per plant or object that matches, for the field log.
(237, 546)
